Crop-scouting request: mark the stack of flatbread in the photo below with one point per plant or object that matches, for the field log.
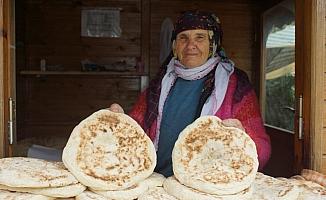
(212, 161)
(308, 190)
(30, 178)
(111, 154)
(314, 176)
(269, 188)
(156, 193)
(140, 189)
(296, 188)
(8, 195)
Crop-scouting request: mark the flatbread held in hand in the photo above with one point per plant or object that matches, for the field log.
(213, 158)
(109, 151)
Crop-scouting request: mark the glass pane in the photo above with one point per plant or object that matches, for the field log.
(279, 66)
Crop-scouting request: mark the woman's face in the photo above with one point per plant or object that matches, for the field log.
(192, 47)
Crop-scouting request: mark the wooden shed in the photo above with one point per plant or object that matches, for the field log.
(56, 67)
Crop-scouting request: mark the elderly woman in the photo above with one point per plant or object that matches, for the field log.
(198, 80)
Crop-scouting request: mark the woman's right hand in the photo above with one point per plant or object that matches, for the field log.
(116, 108)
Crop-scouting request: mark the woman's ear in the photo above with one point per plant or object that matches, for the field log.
(175, 55)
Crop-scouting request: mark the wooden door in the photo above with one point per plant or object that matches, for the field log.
(284, 103)
(7, 58)
(2, 79)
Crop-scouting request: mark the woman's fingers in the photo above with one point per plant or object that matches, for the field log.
(233, 123)
(116, 108)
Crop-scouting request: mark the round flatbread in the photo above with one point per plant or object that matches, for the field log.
(34, 173)
(57, 192)
(312, 175)
(127, 194)
(269, 188)
(109, 151)
(297, 177)
(71, 198)
(309, 190)
(7, 195)
(155, 180)
(89, 195)
(173, 187)
(156, 193)
(213, 158)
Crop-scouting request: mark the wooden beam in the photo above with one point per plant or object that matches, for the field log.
(145, 34)
(2, 55)
(7, 49)
(318, 61)
(302, 73)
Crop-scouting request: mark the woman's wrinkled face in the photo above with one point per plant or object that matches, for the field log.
(192, 47)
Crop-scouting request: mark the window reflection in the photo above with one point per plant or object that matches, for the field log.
(279, 66)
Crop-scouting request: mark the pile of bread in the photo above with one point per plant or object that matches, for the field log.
(109, 157)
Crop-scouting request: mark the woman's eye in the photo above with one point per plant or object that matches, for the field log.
(182, 38)
(200, 38)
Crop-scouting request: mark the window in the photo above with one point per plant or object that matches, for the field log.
(100, 22)
(279, 66)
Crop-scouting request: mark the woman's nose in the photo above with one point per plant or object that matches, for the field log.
(191, 44)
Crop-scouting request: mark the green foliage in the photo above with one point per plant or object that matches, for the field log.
(280, 102)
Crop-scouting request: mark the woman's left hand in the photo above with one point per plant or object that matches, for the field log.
(233, 123)
(116, 108)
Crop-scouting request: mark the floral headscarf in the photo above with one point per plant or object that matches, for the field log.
(191, 20)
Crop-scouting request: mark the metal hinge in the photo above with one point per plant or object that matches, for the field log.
(11, 128)
(300, 118)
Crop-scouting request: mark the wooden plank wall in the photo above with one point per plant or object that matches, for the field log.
(315, 59)
(324, 121)
(53, 105)
(53, 33)
(316, 12)
(322, 61)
